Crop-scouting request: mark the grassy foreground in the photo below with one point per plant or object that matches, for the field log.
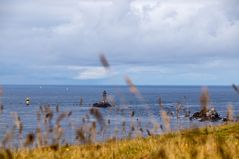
(210, 142)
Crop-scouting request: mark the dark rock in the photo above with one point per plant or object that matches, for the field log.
(102, 105)
(225, 119)
(209, 115)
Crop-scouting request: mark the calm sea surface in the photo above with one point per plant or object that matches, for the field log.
(146, 110)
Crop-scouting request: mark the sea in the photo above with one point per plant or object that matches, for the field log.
(131, 112)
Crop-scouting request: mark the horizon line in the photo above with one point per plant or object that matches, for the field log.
(115, 85)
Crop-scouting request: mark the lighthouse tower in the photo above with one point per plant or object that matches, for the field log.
(104, 94)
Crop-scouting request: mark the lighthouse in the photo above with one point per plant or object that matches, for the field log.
(104, 94)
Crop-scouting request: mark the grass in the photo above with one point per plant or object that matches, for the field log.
(208, 142)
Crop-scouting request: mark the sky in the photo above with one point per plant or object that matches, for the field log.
(154, 42)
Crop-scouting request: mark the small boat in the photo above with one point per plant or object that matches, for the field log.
(103, 103)
(27, 101)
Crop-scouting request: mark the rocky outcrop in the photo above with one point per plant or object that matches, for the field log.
(102, 105)
(208, 115)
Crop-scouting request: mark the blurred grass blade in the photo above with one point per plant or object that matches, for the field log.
(133, 89)
(204, 100)
(236, 88)
(29, 139)
(104, 61)
(1, 91)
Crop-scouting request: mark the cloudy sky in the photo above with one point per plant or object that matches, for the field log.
(155, 42)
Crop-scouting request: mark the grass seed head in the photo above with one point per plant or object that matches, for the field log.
(29, 139)
(204, 100)
(236, 88)
(81, 101)
(230, 113)
(166, 120)
(7, 138)
(133, 89)
(104, 61)
(99, 117)
(160, 102)
(80, 135)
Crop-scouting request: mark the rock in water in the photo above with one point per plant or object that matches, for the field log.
(210, 115)
(102, 105)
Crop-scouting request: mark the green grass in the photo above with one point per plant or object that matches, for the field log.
(209, 142)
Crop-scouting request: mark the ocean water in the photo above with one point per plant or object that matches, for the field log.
(146, 109)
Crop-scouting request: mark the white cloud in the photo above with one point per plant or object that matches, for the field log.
(89, 73)
(160, 36)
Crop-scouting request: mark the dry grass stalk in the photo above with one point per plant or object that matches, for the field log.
(1, 91)
(69, 114)
(6, 139)
(80, 135)
(133, 89)
(166, 120)
(39, 137)
(38, 119)
(111, 100)
(48, 113)
(104, 61)
(1, 94)
(18, 122)
(41, 109)
(148, 132)
(47, 117)
(230, 113)
(132, 114)
(93, 132)
(116, 133)
(62, 116)
(160, 102)
(155, 126)
(236, 88)
(123, 127)
(57, 108)
(58, 133)
(132, 127)
(29, 139)
(178, 108)
(1, 108)
(81, 101)
(83, 120)
(96, 113)
(204, 100)
(139, 124)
